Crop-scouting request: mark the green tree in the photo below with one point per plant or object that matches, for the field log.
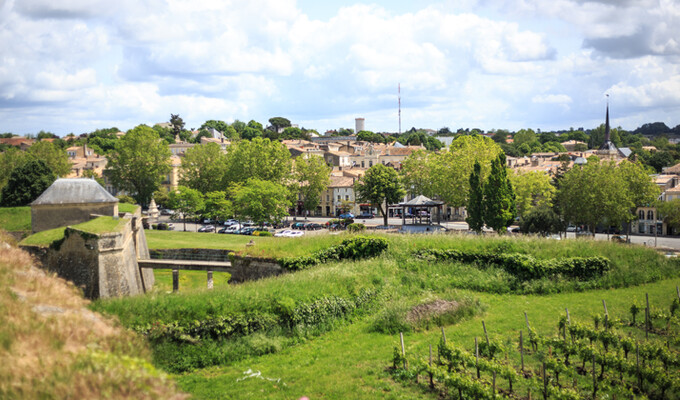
(293, 133)
(54, 157)
(203, 168)
(368, 136)
(541, 219)
(139, 163)
(380, 186)
(103, 141)
(532, 189)
(669, 212)
(177, 124)
(162, 198)
(26, 183)
(261, 201)
(596, 138)
(259, 158)
(217, 125)
(89, 173)
(499, 197)
(187, 201)
(313, 176)
(475, 208)
(417, 172)
(277, 123)
(216, 206)
(9, 160)
(451, 170)
(595, 194)
(522, 136)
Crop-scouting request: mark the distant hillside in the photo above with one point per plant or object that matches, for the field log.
(52, 347)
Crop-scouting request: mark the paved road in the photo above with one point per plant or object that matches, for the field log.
(662, 242)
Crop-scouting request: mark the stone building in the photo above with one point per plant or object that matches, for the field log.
(70, 201)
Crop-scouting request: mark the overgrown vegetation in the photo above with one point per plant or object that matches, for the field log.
(14, 219)
(94, 226)
(51, 347)
(192, 330)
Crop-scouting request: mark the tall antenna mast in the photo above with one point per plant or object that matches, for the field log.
(399, 95)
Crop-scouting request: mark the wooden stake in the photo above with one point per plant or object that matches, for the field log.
(637, 362)
(604, 303)
(568, 318)
(210, 280)
(526, 319)
(521, 349)
(594, 377)
(443, 335)
(649, 314)
(486, 335)
(545, 383)
(477, 357)
(403, 350)
(646, 322)
(493, 388)
(677, 290)
(175, 280)
(431, 375)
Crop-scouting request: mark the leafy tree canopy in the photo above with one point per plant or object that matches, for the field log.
(26, 183)
(313, 176)
(380, 186)
(54, 157)
(187, 201)
(259, 200)
(532, 189)
(203, 168)
(139, 163)
(260, 158)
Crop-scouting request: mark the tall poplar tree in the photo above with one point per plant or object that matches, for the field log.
(499, 197)
(475, 207)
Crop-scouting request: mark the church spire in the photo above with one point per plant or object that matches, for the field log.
(606, 126)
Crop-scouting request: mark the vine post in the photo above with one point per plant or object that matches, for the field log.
(477, 357)
(403, 350)
(486, 335)
(521, 349)
(430, 372)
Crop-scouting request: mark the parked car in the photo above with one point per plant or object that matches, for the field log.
(207, 228)
(283, 233)
(619, 239)
(571, 228)
(233, 229)
(165, 211)
(162, 226)
(247, 230)
(298, 225)
(366, 214)
(347, 216)
(296, 234)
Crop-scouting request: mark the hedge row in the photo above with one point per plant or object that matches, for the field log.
(349, 249)
(317, 312)
(523, 266)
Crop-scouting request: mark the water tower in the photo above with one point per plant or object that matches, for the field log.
(359, 124)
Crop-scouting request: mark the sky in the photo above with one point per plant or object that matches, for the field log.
(80, 65)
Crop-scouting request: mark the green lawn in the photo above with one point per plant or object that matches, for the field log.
(96, 226)
(127, 208)
(347, 357)
(351, 362)
(13, 219)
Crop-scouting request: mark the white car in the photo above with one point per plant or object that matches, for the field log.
(283, 233)
(295, 234)
(233, 228)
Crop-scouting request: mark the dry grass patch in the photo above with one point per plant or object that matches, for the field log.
(51, 346)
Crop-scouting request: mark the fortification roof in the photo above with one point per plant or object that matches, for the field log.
(74, 191)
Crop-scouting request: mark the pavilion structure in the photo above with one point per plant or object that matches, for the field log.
(417, 206)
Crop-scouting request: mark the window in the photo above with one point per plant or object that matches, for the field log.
(650, 215)
(338, 197)
(362, 164)
(370, 164)
(347, 197)
(641, 214)
(328, 198)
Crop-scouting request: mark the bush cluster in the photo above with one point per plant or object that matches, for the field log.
(356, 227)
(525, 267)
(285, 315)
(349, 249)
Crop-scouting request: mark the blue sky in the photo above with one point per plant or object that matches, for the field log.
(79, 65)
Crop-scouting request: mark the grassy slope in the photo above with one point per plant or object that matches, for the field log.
(350, 362)
(127, 208)
(97, 225)
(65, 351)
(14, 219)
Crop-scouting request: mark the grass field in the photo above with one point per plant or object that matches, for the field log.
(14, 219)
(356, 349)
(96, 226)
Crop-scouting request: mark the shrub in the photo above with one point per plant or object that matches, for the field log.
(262, 233)
(356, 227)
(354, 248)
(123, 198)
(525, 267)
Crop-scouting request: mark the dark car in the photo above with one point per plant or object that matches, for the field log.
(313, 226)
(619, 239)
(298, 225)
(247, 231)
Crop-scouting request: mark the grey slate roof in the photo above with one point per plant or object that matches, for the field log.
(74, 191)
(421, 201)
